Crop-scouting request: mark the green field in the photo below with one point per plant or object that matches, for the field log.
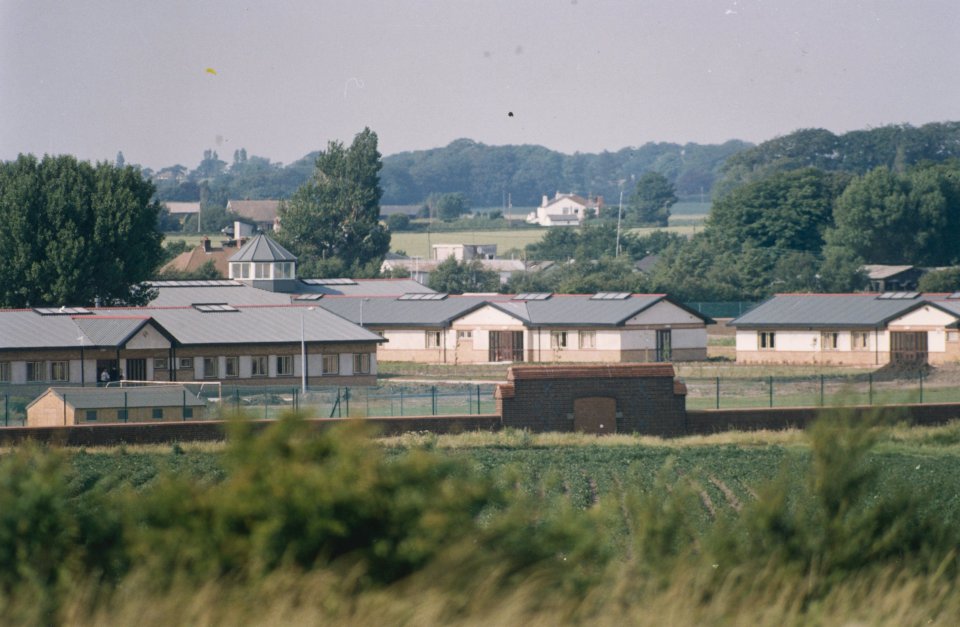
(846, 524)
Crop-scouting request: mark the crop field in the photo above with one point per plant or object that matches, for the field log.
(843, 524)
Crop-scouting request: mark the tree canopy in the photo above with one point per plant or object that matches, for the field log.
(651, 200)
(332, 221)
(75, 233)
(456, 277)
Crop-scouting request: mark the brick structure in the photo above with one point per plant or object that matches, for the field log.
(640, 398)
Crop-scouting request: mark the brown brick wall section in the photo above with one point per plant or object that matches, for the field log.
(714, 421)
(541, 398)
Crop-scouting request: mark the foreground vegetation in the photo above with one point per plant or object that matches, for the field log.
(846, 524)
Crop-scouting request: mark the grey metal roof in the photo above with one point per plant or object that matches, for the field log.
(109, 330)
(367, 287)
(825, 310)
(258, 325)
(26, 329)
(262, 248)
(234, 293)
(581, 310)
(118, 398)
(389, 311)
(560, 310)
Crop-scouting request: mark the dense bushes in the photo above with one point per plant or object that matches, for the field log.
(308, 525)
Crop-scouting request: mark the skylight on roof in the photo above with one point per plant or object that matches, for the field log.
(196, 283)
(533, 296)
(329, 281)
(610, 296)
(422, 296)
(309, 297)
(898, 296)
(62, 311)
(953, 296)
(214, 307)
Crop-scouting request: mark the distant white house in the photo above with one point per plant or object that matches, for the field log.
(464, 252)
(565, 210)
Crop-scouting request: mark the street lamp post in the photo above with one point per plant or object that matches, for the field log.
(619, 217)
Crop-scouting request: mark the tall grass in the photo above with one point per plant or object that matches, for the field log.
(331, 527)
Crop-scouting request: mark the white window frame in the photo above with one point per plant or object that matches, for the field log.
(160, 363)
(39, 369)
(860, 340)
(60, 370)
(262, 270)
(766, 340)
(588, 339)
(234, 371)
(186, 363)
(331, 364)
(464, 334)
(361, 363)
(259, 366)
(284, 365)
(558, 340)
(432, 339)
(829, 341)
(211, 368)
(5, 371)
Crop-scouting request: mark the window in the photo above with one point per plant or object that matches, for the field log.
(284, 365)
(588, 339)
(122, 414)
(433, 339)
(558, 339)
(258, 365)
(91, 415)
(59, 370)
(187, 412)
(232, 367)
(157, 413)
(464, 335)
(284, 270)
(952, 336)
(860, 340)
(766, 340)
(211, 368)
(331, 364)
(186, 363)
(160, 363)
(829, 340)
(261, 270)
(4, 370)
(361, 363)
(240, 270)
(35, 371)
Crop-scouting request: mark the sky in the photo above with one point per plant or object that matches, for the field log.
(164, 80)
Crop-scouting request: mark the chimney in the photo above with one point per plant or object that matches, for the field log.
(237, 233)
(206, 244)
(545, 200)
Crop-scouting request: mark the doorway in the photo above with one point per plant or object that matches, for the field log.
(908, 348)
(137, 369)
(595, 414)
(664, 345)
(506, 346)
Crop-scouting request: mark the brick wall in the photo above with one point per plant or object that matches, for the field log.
(541, 398)
(714, 421)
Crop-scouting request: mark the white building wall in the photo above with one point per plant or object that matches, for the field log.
(346, 364)
(638, 339)
(608, 340)
(688, 338)
(401, 339)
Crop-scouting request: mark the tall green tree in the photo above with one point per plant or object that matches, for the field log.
(456, 277)
(75, 233)
(332, 222)
(448, 207)
(652, 199)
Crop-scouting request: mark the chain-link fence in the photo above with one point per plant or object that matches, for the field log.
(818, 391)
(325, 402)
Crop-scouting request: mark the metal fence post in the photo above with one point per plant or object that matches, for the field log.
(478, 400)
(821, 390)
(346, 399)
(126, 408)
(183, 410)
(870, 392)
(921, 387)
(770, 385)
(433, 399)
(6, 410)
(401, 401)
(718, 393)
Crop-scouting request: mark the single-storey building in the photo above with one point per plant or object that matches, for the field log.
(851, 329)
(565, 210)
(60, 406)
(535, 327)
(215, 341)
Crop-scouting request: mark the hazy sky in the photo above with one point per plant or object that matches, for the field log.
(93, 77)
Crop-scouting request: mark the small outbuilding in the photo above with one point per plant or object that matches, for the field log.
(60, 406)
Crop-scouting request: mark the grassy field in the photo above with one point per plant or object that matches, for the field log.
(845, 524)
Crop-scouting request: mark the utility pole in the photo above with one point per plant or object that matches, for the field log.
(620, 216)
